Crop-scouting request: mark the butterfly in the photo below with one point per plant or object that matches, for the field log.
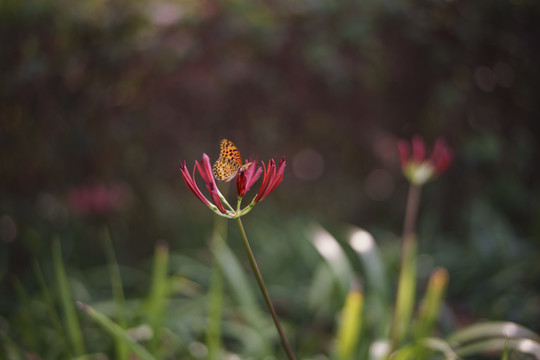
(229, 162)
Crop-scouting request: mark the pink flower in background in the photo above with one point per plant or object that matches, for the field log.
(99, 199)
(417, 168)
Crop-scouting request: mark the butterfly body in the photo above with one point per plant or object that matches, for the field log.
(229, 162)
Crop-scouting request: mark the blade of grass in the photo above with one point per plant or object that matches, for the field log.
(8, 349)
(440, 345)
(364, 245)
(377, 285)
(500, 345)
(405, 293)
(97, 356)
(159, 293)
(506, 353)
(430, 305)
(49, 302)
(71, 320)
(424, 347)
(215, 296)
(330, 249)
(492, 329)
(249, 338)
(116, 331)
(242, 291)
(117, 291)
(348, 333)
(320, 298)
(26, 321)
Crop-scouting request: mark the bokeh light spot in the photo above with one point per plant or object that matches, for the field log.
(198, 350)
(379, 349)
(327, 245)
(485, 78)
(308, 164)
(362, 241)
(528, 346)
(165, 14)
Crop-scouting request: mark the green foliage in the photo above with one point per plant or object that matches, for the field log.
(147, 333)
(73, 328)
(117, 332)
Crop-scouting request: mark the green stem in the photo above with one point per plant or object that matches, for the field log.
(260, 281)
(238, 205)
(411, 213)
(407, 274)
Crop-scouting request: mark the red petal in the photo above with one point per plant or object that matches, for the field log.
(418, 149)
(191, 184)
(404, 153)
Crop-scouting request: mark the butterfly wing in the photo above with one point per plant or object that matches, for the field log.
(229, 151)
(228, 163)
(225, 169)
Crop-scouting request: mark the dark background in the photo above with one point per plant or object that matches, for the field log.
(118, 92)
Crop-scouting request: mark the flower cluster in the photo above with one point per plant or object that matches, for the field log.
(417, 168)
(245, 178)
(99, 199)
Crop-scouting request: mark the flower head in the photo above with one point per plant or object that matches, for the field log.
(246, 177)
(417, 168)
(99, 199)
(271, 178)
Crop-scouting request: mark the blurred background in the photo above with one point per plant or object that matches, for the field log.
(99, 100)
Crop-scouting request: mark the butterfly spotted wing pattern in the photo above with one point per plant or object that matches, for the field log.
(229, 161)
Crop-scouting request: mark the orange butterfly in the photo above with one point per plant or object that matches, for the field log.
(229, 162)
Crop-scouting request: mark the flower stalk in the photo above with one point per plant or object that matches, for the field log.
(418, 170)
(411, 212)
(407, 275)
(246, 177)
(264, 291)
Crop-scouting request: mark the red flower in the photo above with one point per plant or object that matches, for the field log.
(417, 168)
(441, 157)
(271, 178)
(99, 199)
(206, 172)
(246, 178)
(192, 185)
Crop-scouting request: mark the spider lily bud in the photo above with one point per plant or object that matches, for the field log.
(416, 167)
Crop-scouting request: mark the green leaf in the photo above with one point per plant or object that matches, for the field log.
(401, 321)
(430, 305)
(71, 320)
(117, 291)
(215, 295)
(500, 345)
(159, 294)
(116, 331)
(492, 329)
(243, 293)
(351, 323)
(331, 251)
(377, 285)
